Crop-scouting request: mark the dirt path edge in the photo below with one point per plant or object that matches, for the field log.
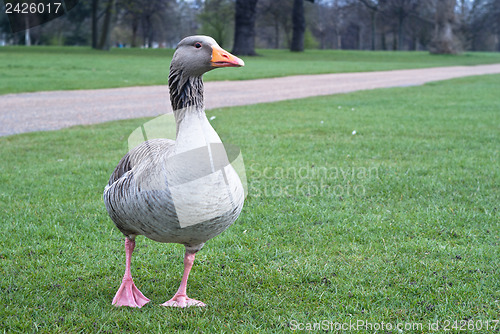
(53, 110)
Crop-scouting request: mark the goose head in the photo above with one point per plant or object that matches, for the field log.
(196, 55)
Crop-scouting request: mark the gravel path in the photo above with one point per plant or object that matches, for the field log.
(59, 109)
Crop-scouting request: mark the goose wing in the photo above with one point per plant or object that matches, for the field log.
(147, 151)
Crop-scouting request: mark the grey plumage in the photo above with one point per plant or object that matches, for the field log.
(161, 184)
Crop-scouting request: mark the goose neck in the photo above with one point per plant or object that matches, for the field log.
(185, 91)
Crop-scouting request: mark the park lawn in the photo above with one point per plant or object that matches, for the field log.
(42, 68)
(397, 223)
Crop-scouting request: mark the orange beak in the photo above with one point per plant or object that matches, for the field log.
(222, 58)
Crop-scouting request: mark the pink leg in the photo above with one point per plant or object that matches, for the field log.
(128, 294)
(181, 299)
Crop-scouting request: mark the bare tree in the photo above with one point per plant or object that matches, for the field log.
(215, 19)
(133, 14)
(373, 6)
(151, 23)
(104, 42)
(398, 11)
(444, 41)
(494, 11)
(485, 25)
(338, 24)
(321, 23)
(152, 12)
(95, 6)
(338, 14)
(440, 26)
(299, 25)
(244, 27)
(274, 22)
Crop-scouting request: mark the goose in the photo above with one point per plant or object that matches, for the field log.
(177, 191)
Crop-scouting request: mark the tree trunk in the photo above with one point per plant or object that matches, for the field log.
(444, 41)
(276, 35)
(106, 26)
(135, 26)
(95, 5)
(394, 40)
(373, 7)
(27, 36)
(147, 31)
(360, 38)
(373, 27)
(299, 26)
(401, 20)
(244, 28)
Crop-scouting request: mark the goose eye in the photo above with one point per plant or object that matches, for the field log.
(197, 45)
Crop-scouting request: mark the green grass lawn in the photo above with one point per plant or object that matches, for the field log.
(33, 69)
(398, 223)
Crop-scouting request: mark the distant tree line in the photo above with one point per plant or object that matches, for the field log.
(440, 26)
